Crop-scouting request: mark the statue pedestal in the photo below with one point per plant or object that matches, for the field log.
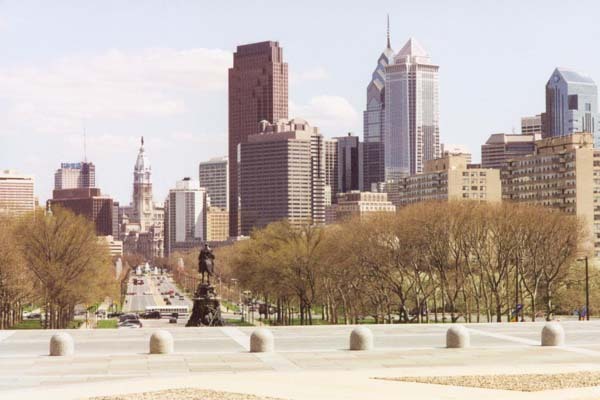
(207, 307)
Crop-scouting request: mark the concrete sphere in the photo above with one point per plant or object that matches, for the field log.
(361, 338)
(262, 341)
(458, 337)
(553, 334)
(62, 344)
(161, 342)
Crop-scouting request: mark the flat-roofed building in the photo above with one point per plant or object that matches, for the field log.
(16, 193)
(501, 147)
(75, 175)
(531, 125)
(357, 203)
(282, 175)
(217, 224)
(214, 177)
(560, 174)
(447, 178)
(88, 202)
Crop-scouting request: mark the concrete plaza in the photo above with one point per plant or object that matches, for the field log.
(306, 359)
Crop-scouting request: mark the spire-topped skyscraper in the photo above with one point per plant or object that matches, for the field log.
(411, 117)
(374, 119)
(143, 206)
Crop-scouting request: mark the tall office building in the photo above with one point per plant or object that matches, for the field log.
(258, 90)
(16, 193)
(331, 170)
(531, 125)
(411, 112)
(571, 105)
(88, 202)
(185, 216)
(374, 120)
(214, 177)
(502, 147)
(282, 175)
(75, 175)
(142, 190)
(349, 164)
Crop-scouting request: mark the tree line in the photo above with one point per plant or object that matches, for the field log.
(429, 262)
(53, 261)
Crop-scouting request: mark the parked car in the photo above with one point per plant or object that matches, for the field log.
(130, 324)
(172, 320)
(34, 316)
(128, 317)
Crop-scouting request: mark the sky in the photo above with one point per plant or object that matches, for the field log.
(119, 70)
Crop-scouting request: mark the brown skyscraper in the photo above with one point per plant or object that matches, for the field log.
(258, 90)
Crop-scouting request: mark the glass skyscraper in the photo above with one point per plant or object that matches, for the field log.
(374, 121)
(411, 112)
(571, 105)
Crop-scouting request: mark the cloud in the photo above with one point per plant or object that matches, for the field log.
(112, 85)
(334, 115)
(313, 74)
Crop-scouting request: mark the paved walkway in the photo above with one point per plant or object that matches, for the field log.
(310, 362)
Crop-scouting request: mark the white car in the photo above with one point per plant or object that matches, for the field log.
(146, 292)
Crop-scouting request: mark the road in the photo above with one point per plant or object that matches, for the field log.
(149, 294)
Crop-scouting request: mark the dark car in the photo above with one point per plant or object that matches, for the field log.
(172, 320)
(128, 317)
(151, 315)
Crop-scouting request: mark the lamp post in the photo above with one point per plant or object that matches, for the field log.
(587, 288)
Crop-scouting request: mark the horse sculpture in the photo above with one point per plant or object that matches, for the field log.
(206, 263)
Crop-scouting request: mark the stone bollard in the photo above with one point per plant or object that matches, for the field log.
(261, 341)
(553, 334)
(361, 338)
(161, 342)
(62, 344)
(458, 337)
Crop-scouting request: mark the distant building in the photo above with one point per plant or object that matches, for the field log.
(88, 202)
(142, 190)
(350, 164)
(356, 203)
(217, 224)
(531, 125)
(455, 150)
(562, 173)
(374, 120)
(114, 246)
(282, 175)
(446, 178)
(16, 193)
(331, 170)
(571, 105)
(501, 147)
(258, 90)
(75, 175)
(411, 112)
(185, 217)
(214, 177)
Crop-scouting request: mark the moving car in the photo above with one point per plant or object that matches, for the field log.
(151, 315)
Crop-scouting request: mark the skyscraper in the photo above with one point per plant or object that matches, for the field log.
(411, 112)
(16, 193)
(75, 175)
(282, 175)
(143, 208)
(571, 105)
(214, 177)
(258, 90)
(185, 216)
(350, 164)
(374, 120)
(88, 202)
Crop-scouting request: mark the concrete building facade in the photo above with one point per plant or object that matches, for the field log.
(357, 203)
(217, 224)
(258, 90)
(532, 125)
(185, 216)
(447, 178)
(214, 177)
(282, 175)
(75, 175)
(501, 147)
(16, 193)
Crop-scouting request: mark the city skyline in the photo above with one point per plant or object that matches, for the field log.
(325, 91)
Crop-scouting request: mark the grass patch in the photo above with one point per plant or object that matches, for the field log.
(237, 322)
(107, 324)
(28, 324)
(75, 324)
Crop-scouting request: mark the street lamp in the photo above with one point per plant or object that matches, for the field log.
(587, 288)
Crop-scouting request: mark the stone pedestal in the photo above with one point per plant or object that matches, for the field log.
(207, 307)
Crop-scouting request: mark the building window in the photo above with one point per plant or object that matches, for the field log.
(573, 102)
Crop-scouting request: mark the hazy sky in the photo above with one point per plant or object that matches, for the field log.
(157, 68)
